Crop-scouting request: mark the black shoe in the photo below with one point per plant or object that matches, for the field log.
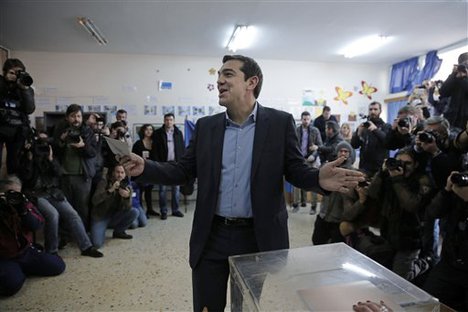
(151, 212)
(92, 252)
(303, 204)
(122, 235)
(163, 216)
(313, 210)
(178, 214)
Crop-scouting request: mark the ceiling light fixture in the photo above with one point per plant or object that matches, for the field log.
(92, 29)
(364, 45)
(241, 38)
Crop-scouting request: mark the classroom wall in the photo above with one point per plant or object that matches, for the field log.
(111, 81)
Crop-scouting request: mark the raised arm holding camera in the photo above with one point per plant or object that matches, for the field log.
(16, 103)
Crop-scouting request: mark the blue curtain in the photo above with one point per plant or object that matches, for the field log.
(189, 128)
(431, 67)
(402, 75)
(405, 75)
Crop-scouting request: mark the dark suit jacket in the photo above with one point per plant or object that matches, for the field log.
(275, 155)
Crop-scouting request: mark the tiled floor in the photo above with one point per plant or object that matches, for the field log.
(148, 273)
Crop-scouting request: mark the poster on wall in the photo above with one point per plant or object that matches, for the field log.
(165, 85)
(61, 107)
(93, 108)
(308, 98)
(112, 109)
(198, 111)
(150, 110)
(168, 109)
(183, 111)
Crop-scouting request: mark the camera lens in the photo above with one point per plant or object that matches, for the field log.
(393, 163)
(426, 137)
(460, 179)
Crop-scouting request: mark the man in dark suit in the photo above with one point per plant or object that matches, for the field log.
(240, 158)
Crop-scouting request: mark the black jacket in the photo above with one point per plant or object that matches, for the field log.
(160, 144)
(457, 110)
(372, 143)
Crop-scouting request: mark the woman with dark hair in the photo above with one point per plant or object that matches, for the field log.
(112, 207)
(145, 148)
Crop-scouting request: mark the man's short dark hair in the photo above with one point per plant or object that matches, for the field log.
(73, 108)
(305, 113)
(12, 63)
(169, 115)
(326, 109)
(376, 103)
(118, 124)
(121, 111)
(250, 68)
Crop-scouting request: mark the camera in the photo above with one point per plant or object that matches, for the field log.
(460, 179)
(461, 68)
(404, 122)
(24, 78)
(73, 135)
(15, 200)
(393, 163)
(426, 137)
(41, 147)
(124, 184)
(365, 124)
(363, 183)
(122, 135)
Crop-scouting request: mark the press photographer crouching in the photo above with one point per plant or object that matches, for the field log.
(448, 280)
(16, 103)
(41, 172)
(18, 256)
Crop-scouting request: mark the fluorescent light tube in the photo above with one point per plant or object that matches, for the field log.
(92, 30)
(364, 45)
(241, 38)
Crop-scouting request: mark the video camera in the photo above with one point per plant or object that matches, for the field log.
(460, 179)
(24, 78)
(41, 147)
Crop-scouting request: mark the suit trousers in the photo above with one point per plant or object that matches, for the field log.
(210, 275)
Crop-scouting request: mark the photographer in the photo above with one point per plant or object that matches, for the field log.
(119, 132)
(41, 173)
(16, 103)
(404, 190)
(112, 207)
(456, 87)
(448, 281)
(409, 121)
(370, 138)
(18, 257)
(75, 148)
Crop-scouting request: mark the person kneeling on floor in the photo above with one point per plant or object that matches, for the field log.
(18, 256)
(112, 207)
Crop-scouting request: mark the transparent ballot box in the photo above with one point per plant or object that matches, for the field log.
(319, 278)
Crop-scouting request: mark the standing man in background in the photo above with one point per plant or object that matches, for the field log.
(321, 121)
(240, 158)
(169, 145)
(309, 140)
(370, 137)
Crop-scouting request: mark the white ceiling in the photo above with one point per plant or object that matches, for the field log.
(288, 30)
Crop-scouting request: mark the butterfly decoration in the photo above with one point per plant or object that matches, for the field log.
(210, 87)
(367, 90)
(342, 95)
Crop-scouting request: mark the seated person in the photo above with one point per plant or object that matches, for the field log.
(112, 207)
(142, 219)
(18, 257)
(41, 172)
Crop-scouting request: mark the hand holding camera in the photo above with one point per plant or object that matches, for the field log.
(16, 201)
(124, 190)
(394, 167)
(404, 125)
(458, 183)
(23, 79)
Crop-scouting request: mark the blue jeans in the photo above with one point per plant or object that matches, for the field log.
(141, 220)
(31, 261)
(174, 198)
(119, 220)
(55, 211)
